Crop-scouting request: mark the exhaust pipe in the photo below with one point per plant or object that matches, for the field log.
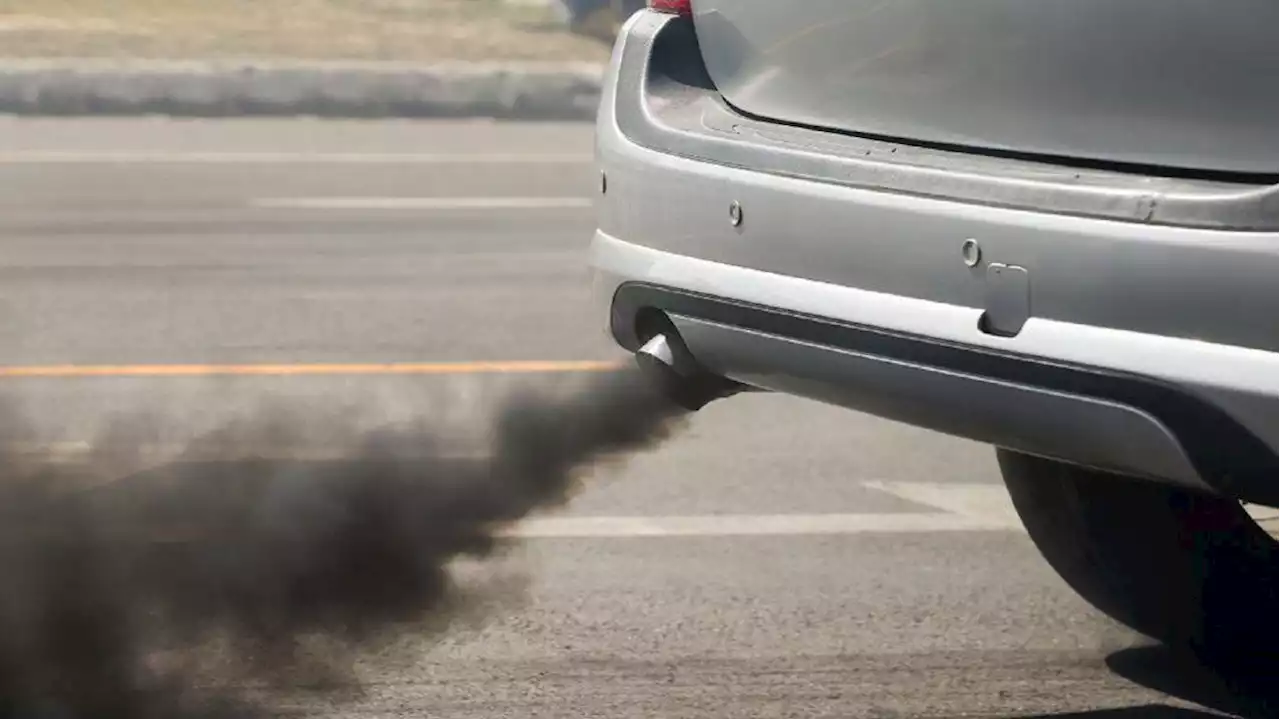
(668, 363)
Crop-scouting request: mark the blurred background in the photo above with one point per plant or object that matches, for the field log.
(403, 30)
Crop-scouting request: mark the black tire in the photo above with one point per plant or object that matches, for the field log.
(1188, 569)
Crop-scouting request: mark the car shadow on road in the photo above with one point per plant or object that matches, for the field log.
(1145, 711)
(1248, 692)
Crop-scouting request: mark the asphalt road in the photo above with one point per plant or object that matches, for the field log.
(777, 558)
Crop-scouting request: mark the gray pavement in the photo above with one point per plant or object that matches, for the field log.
(798, 560)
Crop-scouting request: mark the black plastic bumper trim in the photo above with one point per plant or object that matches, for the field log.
(1227, 456)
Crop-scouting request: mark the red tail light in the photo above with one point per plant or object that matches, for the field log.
(675, 7)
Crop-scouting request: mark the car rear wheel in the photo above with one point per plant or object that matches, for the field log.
(1189, 569)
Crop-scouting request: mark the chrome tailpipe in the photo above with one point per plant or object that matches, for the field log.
(672, 368)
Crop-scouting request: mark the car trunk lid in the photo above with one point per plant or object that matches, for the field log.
(1183, 86)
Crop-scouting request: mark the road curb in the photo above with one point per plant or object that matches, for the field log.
(527, 91)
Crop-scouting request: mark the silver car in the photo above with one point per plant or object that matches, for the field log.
(1047, 226)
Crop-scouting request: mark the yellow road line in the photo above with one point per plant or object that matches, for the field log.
(389, 368)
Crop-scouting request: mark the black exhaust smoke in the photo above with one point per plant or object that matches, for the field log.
(204, 587)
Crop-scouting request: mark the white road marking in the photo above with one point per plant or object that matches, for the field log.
(1268, 518)
(748, 525)
(424, 203)
(1260, 513)
(962, 508)
(984, 502)
(304, 158)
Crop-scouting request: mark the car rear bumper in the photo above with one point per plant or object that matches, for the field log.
(1118, 337)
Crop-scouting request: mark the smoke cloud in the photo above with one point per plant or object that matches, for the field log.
(224, 580)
